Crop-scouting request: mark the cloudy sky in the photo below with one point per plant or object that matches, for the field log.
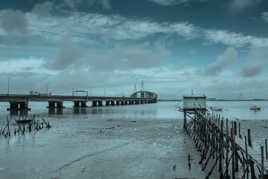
(213, 47)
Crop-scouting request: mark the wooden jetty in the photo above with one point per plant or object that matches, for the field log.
(231, 153)
(219, 141)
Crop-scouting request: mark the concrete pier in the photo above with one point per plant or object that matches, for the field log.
(100, 103)
(108, 103)
(18, 107)
(59, 104)
(83, 104)
(55, 107)
(94, 103)
(97, 103)
(76, 104)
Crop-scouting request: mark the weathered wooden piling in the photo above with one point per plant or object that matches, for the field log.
(215, 143)
(266, 150)
(262, 162)
(249, 138)
(21, 125)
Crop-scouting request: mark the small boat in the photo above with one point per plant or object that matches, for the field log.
(217, 109)
(255, 108)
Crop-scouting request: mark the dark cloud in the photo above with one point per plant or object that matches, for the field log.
(255, 62)
(14, 22)
(228, 58)
(241, 4)
(125, 57)
(251, 70)
(69, 54)
(121, 57)
(264, 16)
(43, 9)
(104, 4)
(175, 2)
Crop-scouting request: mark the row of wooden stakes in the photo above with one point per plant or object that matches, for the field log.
(22, 125)
(216, 142)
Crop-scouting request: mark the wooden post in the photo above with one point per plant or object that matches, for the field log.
(249, 138)
(185, 122)
(235, 128)
(227, 148)
(221, 151)
(233, 153)
(239, 131)
(246, 148)
(227, 128)
(262, 162)
(266, 150)
(8, 130)
(252, 170)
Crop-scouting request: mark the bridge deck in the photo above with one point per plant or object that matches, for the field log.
(17, 97)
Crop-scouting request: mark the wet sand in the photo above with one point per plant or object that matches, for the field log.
(109, 148)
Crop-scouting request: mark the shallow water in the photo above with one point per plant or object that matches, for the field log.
(137, 141)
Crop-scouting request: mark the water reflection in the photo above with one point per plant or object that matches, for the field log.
(79, 110)
(59, 111)
(18, 112)
(53, 111)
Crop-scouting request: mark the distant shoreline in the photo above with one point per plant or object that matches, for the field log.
(163, 100)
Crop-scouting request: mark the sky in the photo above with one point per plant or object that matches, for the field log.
(107, 47)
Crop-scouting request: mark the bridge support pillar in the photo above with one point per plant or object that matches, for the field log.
(59, 107)
(108, 103)
(16, 107)
(59, 104)
(76, 104)
(117, 102)
(99, 103)
(142, 102)
(51, 104)
(112, 103)
(94, 103)
(83, 104)
(54, 106)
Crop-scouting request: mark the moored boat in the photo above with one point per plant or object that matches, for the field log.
(217, 109)
(255, 108)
